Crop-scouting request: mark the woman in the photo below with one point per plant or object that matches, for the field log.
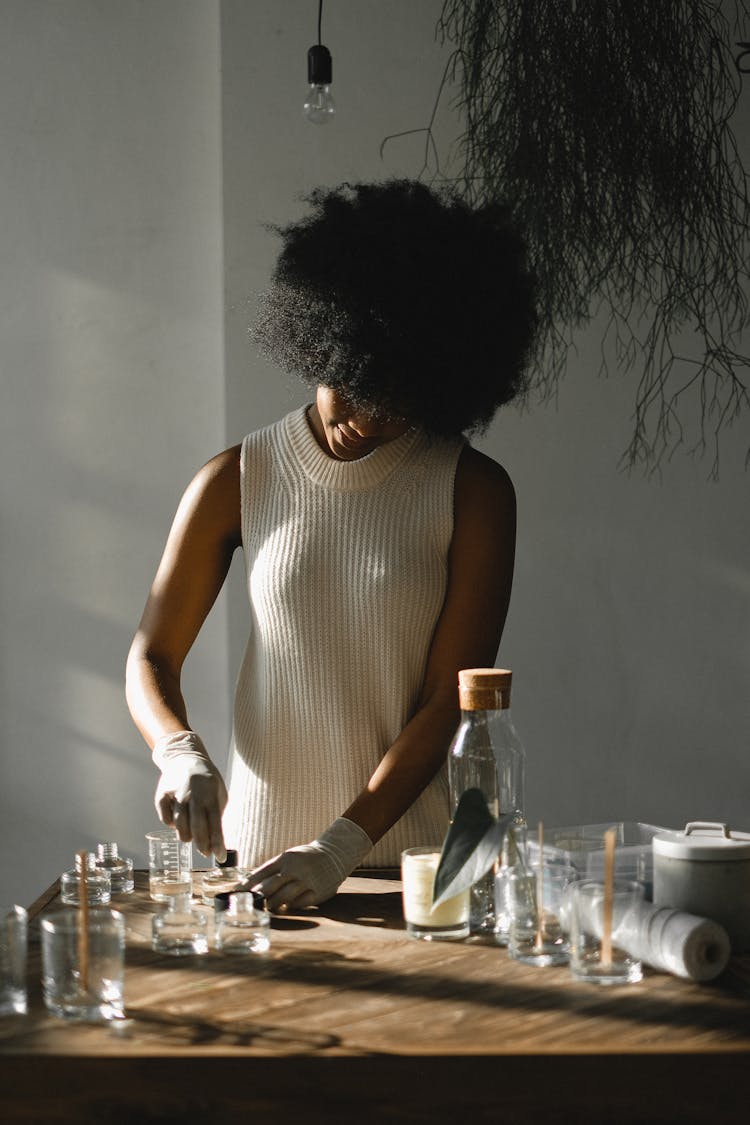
(378, 544)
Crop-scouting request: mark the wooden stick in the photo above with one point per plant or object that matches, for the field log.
(540, 890)
(605, 955)
(83, 924)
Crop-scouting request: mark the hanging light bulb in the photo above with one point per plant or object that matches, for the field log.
(319, 106)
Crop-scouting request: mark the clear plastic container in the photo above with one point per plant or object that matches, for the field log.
(180, 930)
(120, 869)
(98, 883)
(582, 846)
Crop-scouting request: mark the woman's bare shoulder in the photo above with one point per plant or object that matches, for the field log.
(221, 473)
(483, 479)
(213, 496)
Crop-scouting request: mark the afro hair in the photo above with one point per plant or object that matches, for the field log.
(405, 301)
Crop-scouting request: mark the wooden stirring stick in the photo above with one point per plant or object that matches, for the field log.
(540, 891)
(605, 955)
(83, 923)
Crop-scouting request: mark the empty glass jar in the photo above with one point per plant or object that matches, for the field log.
(222, 879)
(120, 869)
(179, 929)
(98, 883)
(243, 927)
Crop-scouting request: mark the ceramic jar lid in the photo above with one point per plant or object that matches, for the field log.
(704, 840)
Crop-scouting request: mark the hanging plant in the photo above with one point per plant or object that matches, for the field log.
(605, 126)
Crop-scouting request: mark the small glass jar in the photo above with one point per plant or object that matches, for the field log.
(98, 883)
(120, 869)
(243, 927)
(222, 879)
(180, 930)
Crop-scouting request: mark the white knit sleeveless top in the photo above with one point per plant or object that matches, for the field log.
(346, 568)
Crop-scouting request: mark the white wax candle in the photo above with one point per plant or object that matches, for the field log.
(418, 872)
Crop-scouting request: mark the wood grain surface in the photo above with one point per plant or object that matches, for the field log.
(348, 1018)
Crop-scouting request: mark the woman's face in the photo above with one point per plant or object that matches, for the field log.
(346, 434)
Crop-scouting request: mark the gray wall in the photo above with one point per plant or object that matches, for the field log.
(145, 146)
(112, 395)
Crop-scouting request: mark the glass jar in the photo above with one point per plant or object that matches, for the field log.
(222, 879)
(243, 927)
(179, 929)
(98, 883)
(120, 869)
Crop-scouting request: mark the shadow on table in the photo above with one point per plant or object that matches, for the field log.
(323, 967)
(382, 911)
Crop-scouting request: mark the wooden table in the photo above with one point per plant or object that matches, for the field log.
(347, 1019)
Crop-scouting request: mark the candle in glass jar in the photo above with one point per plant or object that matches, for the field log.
(450, 920)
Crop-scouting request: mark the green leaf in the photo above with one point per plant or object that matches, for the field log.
(471, 847)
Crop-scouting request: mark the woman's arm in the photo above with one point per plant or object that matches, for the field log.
(467, 635)
(204, 535)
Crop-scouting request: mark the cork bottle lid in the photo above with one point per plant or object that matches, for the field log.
(484, 689)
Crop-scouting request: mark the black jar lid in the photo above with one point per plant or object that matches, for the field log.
(221, 901)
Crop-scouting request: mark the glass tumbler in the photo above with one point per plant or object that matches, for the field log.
(170, 863)
(592, 958)
(540, 914)
(13, 944)
(83, 967)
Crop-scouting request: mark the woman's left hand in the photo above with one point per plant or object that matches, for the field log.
(311, 873)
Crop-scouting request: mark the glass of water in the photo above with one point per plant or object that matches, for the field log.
(83, 968)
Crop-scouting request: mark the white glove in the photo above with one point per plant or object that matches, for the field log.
(191, 794)
(312, 873)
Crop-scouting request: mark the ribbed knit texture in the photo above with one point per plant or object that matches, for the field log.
(346, 572)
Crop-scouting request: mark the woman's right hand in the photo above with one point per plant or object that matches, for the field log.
(191, 794)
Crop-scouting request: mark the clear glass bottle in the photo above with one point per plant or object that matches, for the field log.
(244, 927)
(221, 879)
(120, 869)
(487, 754)
(179, 929)
(98, 883)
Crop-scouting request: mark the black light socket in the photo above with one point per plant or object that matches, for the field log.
(319, 66)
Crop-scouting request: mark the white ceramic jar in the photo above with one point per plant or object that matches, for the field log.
(705, 870)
